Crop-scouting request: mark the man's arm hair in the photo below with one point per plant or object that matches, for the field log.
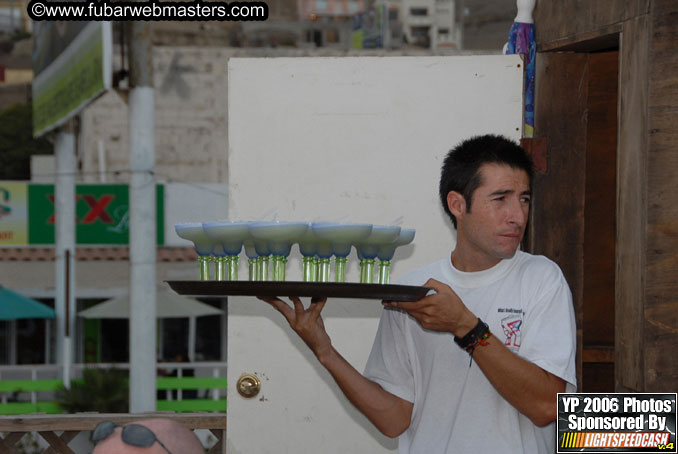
(388, 412)
(526, 386)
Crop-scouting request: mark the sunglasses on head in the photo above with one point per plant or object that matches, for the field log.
(132, 434)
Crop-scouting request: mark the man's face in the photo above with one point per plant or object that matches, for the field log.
(494, 226)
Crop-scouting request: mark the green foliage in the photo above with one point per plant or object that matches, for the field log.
(100, 390)
(20, 35)
(17, 143)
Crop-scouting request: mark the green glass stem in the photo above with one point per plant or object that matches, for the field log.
(220, 264)
(253, 268)
(340, 269)
(263, 268)
(204, 261)
(384, 271)
(367, 271)
(279, 263)
(308, 273)
(324, 270)
(233, 262)
(315, 269)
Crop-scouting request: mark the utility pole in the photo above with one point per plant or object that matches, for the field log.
(142, 211)
(64, 203)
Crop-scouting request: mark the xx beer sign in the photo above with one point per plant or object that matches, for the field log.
(102, 214)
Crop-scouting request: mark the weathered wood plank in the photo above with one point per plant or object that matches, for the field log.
(661, 300)
(88, 421)
(7, 443)
(219, 446)
(59, 445)
(598, 355)
(563, 20)
(606, 38)
(556, 227)
(13, 438)
(601, 196)
(66, 437)
(664, 56)
(4, 449)
(632, 204)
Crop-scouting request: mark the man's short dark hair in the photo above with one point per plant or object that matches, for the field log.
(461, 168)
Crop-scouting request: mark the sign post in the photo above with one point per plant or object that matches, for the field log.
(142, 220)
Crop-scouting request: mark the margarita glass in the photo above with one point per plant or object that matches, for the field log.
(203, 244)
(308, 247)
(382, 235)
(231, 236)
(341, 237)
(278, 238)
(386, 252)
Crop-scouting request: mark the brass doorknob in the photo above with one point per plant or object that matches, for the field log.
(248, 385)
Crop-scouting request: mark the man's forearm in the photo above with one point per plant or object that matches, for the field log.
(389, 413)
(526, 386)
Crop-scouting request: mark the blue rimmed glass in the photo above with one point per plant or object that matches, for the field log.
(204, 245)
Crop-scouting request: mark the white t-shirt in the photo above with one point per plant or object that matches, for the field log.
(528, 305)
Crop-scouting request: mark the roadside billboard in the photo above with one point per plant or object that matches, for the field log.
(72, 62)
(13, 213)
(102, 214)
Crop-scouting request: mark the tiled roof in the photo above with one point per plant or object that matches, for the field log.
(83, 254)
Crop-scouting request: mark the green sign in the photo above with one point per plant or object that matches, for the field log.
(72, 62)
(101, 211)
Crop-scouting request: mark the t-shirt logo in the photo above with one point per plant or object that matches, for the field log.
(511, 326)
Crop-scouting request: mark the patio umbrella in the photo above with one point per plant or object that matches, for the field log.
(169, 305)
(14, 306)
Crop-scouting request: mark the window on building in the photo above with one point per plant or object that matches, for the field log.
(393, 14)
(332, 35)
(314, 36)
(419, 11)
(420, 36)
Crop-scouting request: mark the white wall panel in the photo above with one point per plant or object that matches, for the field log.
(352, 139)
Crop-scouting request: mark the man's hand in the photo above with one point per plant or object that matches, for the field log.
(307, 323)
(442, 311)
(389, 413)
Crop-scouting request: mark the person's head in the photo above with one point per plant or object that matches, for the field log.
(485, 187)
(461, 168)
(149, 436)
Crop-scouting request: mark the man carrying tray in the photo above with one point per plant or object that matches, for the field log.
(476, 365)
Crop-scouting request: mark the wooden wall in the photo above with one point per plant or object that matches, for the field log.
(661, 285)
(561, 23)
(556, 227)
(646, 307)
(632, 155)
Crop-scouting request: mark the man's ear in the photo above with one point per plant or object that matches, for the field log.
(456, 203)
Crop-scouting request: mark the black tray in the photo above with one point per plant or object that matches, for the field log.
(295, 288)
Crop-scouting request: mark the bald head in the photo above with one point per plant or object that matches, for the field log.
(178, 439)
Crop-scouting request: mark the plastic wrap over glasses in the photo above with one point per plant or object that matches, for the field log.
(132, 434)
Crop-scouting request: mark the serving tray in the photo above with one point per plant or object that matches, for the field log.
(303, 289)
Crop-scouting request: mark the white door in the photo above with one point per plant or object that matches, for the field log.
(354, 139)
